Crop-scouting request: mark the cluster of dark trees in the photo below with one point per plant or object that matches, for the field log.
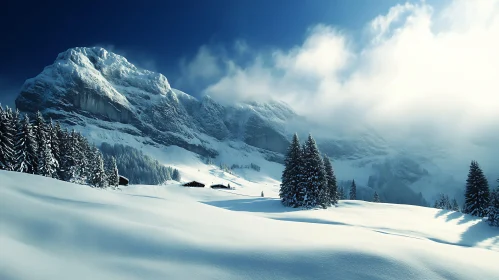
(250, 166)
(443, 202)
(308, 179)
(479, 200)
(41, 148)
(138, 167)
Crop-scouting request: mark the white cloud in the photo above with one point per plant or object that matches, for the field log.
(204, 66)
(425, 74)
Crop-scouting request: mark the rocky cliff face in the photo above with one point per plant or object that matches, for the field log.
(95, 83)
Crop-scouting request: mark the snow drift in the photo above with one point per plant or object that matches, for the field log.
(51, 229)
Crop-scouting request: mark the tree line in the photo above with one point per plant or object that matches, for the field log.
(308, 181)
(138, 167)
(479, 199)
(41, 148)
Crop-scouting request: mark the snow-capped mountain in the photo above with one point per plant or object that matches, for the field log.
(95, 83)
(91, 87)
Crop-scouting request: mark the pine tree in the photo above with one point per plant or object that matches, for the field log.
(53, 133)
(314, 174)
(477, 192)
(493, 215)
(74, 160)
(331, 181)
(66, 160)
(292, 175)
(443, 202)
(25, 148)
(262, 195)
(12, 119)
(6, 141)
(376, 197)
(96, 173)
(112, 172)
(353, 191)
(455, 206)
(46, 162)
(176, 175)
(341, 194)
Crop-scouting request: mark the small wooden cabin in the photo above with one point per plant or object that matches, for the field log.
(123, 181)
(194, 184)
(220, 186)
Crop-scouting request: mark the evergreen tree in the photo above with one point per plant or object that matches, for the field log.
(176, 175)
(376, 197)
(6, 141)
(292, 175)
(96, 172)
(262, 195)
(353, 191)
(331, 182)
(25, 148)
(314, 174)
(341, 194)
(53, 133)
(112, 172)
(66, 149)
(76, 160)
(11, 123)
(443, 202)
(493, 215)
(46, 163)
(477, 192)
(454, 206)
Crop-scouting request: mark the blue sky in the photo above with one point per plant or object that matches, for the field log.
(416, 70)
(420, 72)
(159, 34)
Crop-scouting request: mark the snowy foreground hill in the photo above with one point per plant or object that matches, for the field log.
(51, 229)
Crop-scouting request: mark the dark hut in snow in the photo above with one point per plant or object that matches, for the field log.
(194, 184)
(220, 186)
(123, 181)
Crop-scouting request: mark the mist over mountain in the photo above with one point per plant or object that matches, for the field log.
(104, 93)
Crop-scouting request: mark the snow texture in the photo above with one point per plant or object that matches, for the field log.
(51, 229)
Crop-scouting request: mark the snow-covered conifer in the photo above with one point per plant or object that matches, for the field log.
(454, 205)
(314, 174)
(53, 133)
(493, 211)
(25, 148)
(353, 191)
(6, 141)
(96, 172)
(291, 176)
(331, 181)
(376, 197)
(341, 193)
(477, 192)
(176, 175)
(112, 172)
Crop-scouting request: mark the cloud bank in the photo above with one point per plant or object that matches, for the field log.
(420, 73)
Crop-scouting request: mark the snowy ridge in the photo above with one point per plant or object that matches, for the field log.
(62, 230)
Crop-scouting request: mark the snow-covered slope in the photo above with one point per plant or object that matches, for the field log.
(56, 230)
